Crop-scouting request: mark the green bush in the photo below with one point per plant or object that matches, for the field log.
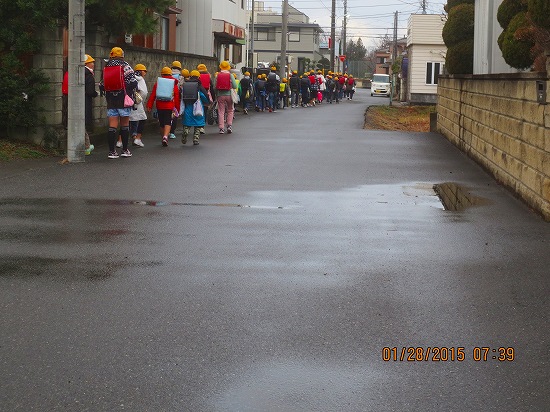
(19, 90)
(507, 11)
(460, 58)
(517, 53)
(453, 3)
(459, 25)
(539, 11)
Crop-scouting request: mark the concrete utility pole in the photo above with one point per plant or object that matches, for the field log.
(332, 34)
(284, 30)
(251, 62)
(394, 56)
(344, 34)
(75, 116)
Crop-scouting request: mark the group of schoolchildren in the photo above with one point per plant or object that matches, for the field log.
(309, 89)
(177, 93)
(189, 95)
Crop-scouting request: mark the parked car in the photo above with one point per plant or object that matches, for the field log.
(380, 85)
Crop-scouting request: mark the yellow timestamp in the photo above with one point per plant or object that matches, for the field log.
(447, 354)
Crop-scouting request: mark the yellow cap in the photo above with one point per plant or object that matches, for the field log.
(116, 52)
(201, 67)
(185, 73)
(166, 71)
(247, 73)
(140, 67)
(225, 65)
(284, 80)
(176, 64)
(195, 73)
(273, 68)
(89, 59)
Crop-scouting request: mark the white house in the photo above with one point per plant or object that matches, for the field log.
(426, 53)
(487, 55)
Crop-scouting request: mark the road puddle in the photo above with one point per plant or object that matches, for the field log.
(455, 197)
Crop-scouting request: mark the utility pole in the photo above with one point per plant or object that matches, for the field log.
(284, 30)
(394, 55)
(344, 35)
(75, 115)
(423, 6)
(251, 62)
(332, 34)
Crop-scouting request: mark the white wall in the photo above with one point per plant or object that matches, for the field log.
(487, 55)
(194, 34)
(420, 56)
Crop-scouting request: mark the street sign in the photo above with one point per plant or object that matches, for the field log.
(342, 58)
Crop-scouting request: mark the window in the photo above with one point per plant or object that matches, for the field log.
(237, 54)
(160, 39)
(432, 71)
(294, 36)
(264, 34)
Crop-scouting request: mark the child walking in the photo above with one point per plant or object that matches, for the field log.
(193, 92)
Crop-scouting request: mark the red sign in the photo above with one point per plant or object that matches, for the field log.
(233, 30)
(342, 58)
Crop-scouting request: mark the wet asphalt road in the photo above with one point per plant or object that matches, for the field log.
(266, 271)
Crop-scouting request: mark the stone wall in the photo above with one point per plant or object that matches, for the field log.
(50, 60)
(497, 121)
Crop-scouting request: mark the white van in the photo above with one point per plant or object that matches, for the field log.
(380, 85)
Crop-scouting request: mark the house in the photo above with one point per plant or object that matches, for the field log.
(426, 57)
(383, 58)
(214, 28)
(487, 55)
(303, 45)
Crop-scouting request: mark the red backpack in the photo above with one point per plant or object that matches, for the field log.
(113, 78)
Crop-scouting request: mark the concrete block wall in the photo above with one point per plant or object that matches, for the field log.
(497, 121)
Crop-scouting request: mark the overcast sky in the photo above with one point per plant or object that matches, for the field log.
(368, 19)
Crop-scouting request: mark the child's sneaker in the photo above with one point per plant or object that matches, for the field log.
(113, 155)
(165, 141)
(172, 136)
(89, 150)
(119, 144)
(222, 131)
(229, 129)
(138, 142)
(126, 153)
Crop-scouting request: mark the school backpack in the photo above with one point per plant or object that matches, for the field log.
(165, 89)
(190, 92)
(223, 81)
(113, 78)
(272, 77)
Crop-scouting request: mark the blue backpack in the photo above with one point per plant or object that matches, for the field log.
(165, 89)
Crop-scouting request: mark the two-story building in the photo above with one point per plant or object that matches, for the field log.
(383, 58)
(214, 28)
(302, 35)
(426, 57)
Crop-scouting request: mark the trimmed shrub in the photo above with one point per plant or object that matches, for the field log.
(459, 25)
(517, 53)
(508, 10)
(460, 58)
(539, 11)
(453, 3)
